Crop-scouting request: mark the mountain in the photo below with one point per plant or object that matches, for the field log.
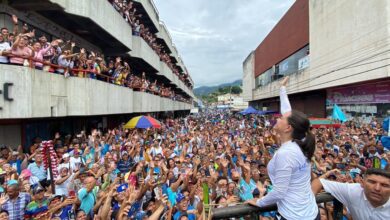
(205, 90)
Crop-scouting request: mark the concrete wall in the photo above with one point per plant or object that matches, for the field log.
(142, 50)
(349, 43)
(103, 14)
(248, 80)
(151, 9)
(39, 94)
(344, 36)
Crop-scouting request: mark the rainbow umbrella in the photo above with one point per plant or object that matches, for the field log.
(142, 122)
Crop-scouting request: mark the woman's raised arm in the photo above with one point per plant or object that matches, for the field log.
(284, 102)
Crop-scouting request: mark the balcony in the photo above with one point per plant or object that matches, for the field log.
(39, 94)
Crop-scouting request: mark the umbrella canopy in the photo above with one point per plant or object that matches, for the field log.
(249, 110)
(320, 122)
(268, 112)
(142, 122)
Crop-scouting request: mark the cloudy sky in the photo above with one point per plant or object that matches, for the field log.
(214, 37)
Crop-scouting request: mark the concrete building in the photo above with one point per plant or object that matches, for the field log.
(34, 103)
(233, 101)
(333, 51)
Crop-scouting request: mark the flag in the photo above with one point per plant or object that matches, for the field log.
(338, 114)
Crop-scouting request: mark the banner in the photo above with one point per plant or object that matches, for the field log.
(360, 94)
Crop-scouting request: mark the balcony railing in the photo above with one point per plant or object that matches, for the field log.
(253, 212)
(83, 73)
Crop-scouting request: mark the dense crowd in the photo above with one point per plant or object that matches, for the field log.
(133, 17)
(158, 173)
(24, 48)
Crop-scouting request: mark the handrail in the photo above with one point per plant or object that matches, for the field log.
(244, 210)
(74, 72)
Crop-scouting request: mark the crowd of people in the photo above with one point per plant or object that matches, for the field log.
(133, 17)
(159, 173)
(24, 48)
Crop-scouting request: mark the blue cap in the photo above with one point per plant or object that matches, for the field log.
(179, 197)
(12, 182)
(122, 188)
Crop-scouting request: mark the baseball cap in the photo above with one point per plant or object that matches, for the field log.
(55, 197)
(37, 190)
(122, 188)
(66, 155)
(26, 173)
(179, 197)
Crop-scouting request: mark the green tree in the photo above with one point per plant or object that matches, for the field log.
(236, 90)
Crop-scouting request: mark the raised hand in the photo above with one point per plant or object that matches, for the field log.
(284, 81)
(15, 19)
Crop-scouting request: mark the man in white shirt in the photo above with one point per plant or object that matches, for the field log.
(4, 47)
(369, 200)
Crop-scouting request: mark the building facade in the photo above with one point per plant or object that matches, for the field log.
(334, 53)
(35, 103)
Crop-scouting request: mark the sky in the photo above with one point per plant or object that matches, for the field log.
(213, 37)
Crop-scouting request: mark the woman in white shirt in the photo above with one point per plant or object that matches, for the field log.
(290, 168)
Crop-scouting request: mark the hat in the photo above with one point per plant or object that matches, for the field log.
(256, 192)
(12, 182)
(123, 153)
(15, 153)
(55, 197)
(26, 173)
(122, 188)
(66, 155)
(37, 190)
(179, 197)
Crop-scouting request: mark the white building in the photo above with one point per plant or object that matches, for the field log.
(333, 51)
(34, 103)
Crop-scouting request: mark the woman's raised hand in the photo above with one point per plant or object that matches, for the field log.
(284, 81)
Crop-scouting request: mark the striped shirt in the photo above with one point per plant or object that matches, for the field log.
(16, 207)
(38, 171)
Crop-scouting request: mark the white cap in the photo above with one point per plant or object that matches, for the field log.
(66, 155)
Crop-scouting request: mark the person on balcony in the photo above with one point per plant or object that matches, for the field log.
(20, 50)
(39, 52)
(290, 168)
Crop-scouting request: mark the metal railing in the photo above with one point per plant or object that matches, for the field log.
(253, 212)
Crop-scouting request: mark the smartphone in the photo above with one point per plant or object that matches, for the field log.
(72, 193)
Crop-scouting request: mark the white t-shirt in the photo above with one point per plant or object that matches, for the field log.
(3, 47)
(75, 162)
(353, 197)
(62, 189)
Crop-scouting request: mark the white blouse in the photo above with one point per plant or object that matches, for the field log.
(289, 171)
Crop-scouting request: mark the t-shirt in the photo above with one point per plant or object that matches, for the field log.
(18, 52)
(177, 215)
(4, 46)
(34, 208)
(64, 214)
(62, 189)
(247, 189)
(87, 199)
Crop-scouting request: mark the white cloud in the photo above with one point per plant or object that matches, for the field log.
(214, 37)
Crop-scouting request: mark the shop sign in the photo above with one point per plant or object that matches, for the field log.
(360, 94)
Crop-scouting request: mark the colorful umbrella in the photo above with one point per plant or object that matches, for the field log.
(323, 122)
(142, 122)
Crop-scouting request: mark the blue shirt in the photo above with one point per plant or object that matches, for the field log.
(177, 215)
(87, 200)
(247, 189)
(38, 171)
